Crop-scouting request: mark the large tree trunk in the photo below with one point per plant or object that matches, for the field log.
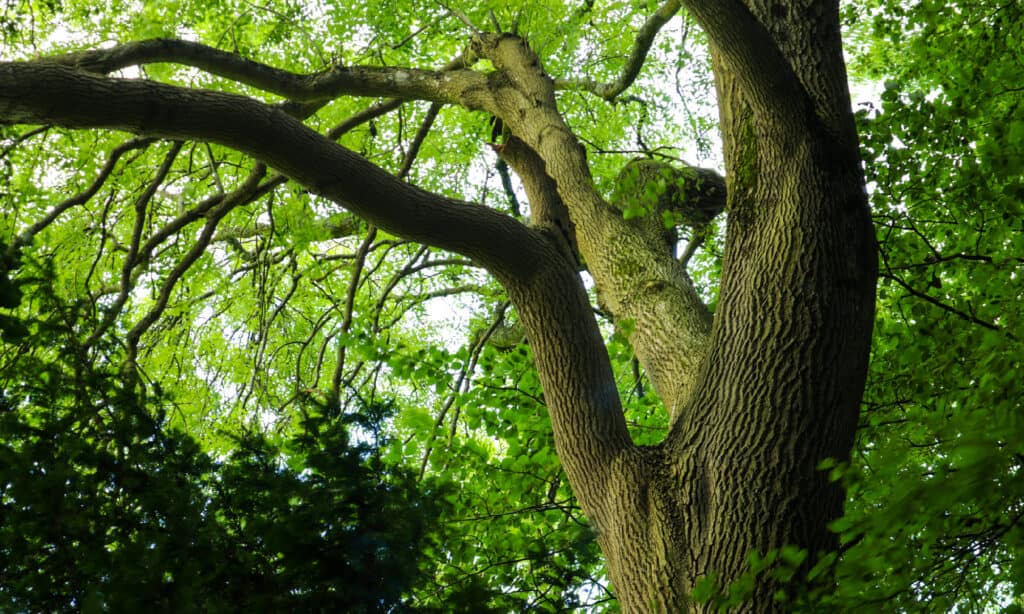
(780, 387)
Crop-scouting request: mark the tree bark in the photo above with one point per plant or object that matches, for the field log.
(783, 380)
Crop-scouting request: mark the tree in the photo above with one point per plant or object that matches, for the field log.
(756, 402)
(759, 379)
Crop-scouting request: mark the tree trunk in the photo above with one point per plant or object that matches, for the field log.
(780, 387)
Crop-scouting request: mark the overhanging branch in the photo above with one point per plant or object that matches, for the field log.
(49, 93)
(642, 45)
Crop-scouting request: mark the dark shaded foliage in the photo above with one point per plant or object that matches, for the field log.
(103, 507)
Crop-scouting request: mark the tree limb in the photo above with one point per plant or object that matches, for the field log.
(585, 409)
(39, 92)
(634, 282)
(334, 227)
(436, 86)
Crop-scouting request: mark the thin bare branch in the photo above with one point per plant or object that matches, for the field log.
(135, 257)
(461, 383)
(346, 322)
(641, 47)
(82, 197)
(18, 140)
(193, 254)
(464, 19)
(440, 293)
(943, 306)
(364, 248)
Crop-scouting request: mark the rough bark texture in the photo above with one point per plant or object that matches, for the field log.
(635, 280)
(757, 399)
(781, 382)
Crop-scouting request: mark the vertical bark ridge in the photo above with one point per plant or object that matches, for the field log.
(579, 387)
(647, 549)
(786, 367)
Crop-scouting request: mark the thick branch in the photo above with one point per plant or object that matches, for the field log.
(636, 282)
(334, 227)
(52, 93)
(580, 392)
(546, 207)
(542, 281)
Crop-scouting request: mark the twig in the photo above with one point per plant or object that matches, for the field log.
(644, 40)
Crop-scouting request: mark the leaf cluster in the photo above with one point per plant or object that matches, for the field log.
(936, 510)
